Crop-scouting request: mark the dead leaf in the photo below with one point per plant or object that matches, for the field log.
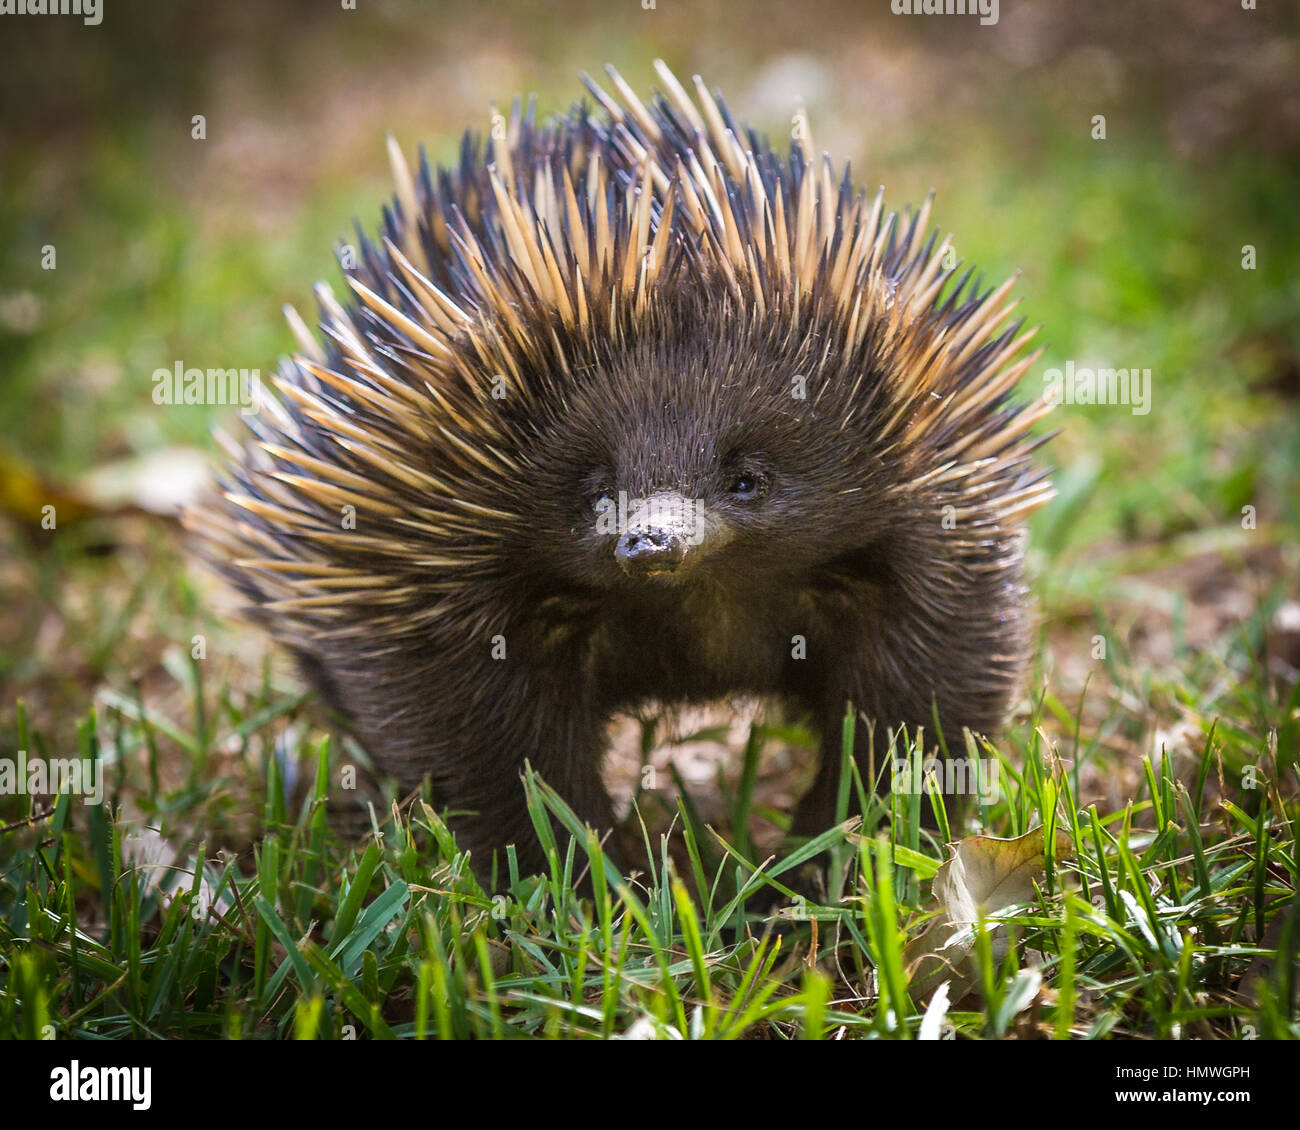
(159, 482)
(164, 481)
(982, 876)
(25, 495)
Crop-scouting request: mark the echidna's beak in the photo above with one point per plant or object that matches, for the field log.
(650, 551)
(659, 535)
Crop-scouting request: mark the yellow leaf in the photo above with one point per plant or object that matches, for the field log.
(982, 875)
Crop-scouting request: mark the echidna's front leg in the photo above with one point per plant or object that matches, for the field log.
(470, 727)
(918, 663)
(816, 810)
(564, 744)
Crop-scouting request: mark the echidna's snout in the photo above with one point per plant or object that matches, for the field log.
(648, 551)
(663, 535)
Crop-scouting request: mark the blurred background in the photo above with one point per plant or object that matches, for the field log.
(1173, 539)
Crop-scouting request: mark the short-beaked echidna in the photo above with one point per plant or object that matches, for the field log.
(630, 408)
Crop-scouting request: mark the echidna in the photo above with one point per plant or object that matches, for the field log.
(630, 408)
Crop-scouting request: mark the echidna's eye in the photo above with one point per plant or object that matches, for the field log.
(602, 502)
(746, 484)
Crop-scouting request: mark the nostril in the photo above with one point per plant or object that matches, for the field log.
(650, 550)
(635, 542)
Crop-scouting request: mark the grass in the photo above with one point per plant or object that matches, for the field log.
(1145, 930)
